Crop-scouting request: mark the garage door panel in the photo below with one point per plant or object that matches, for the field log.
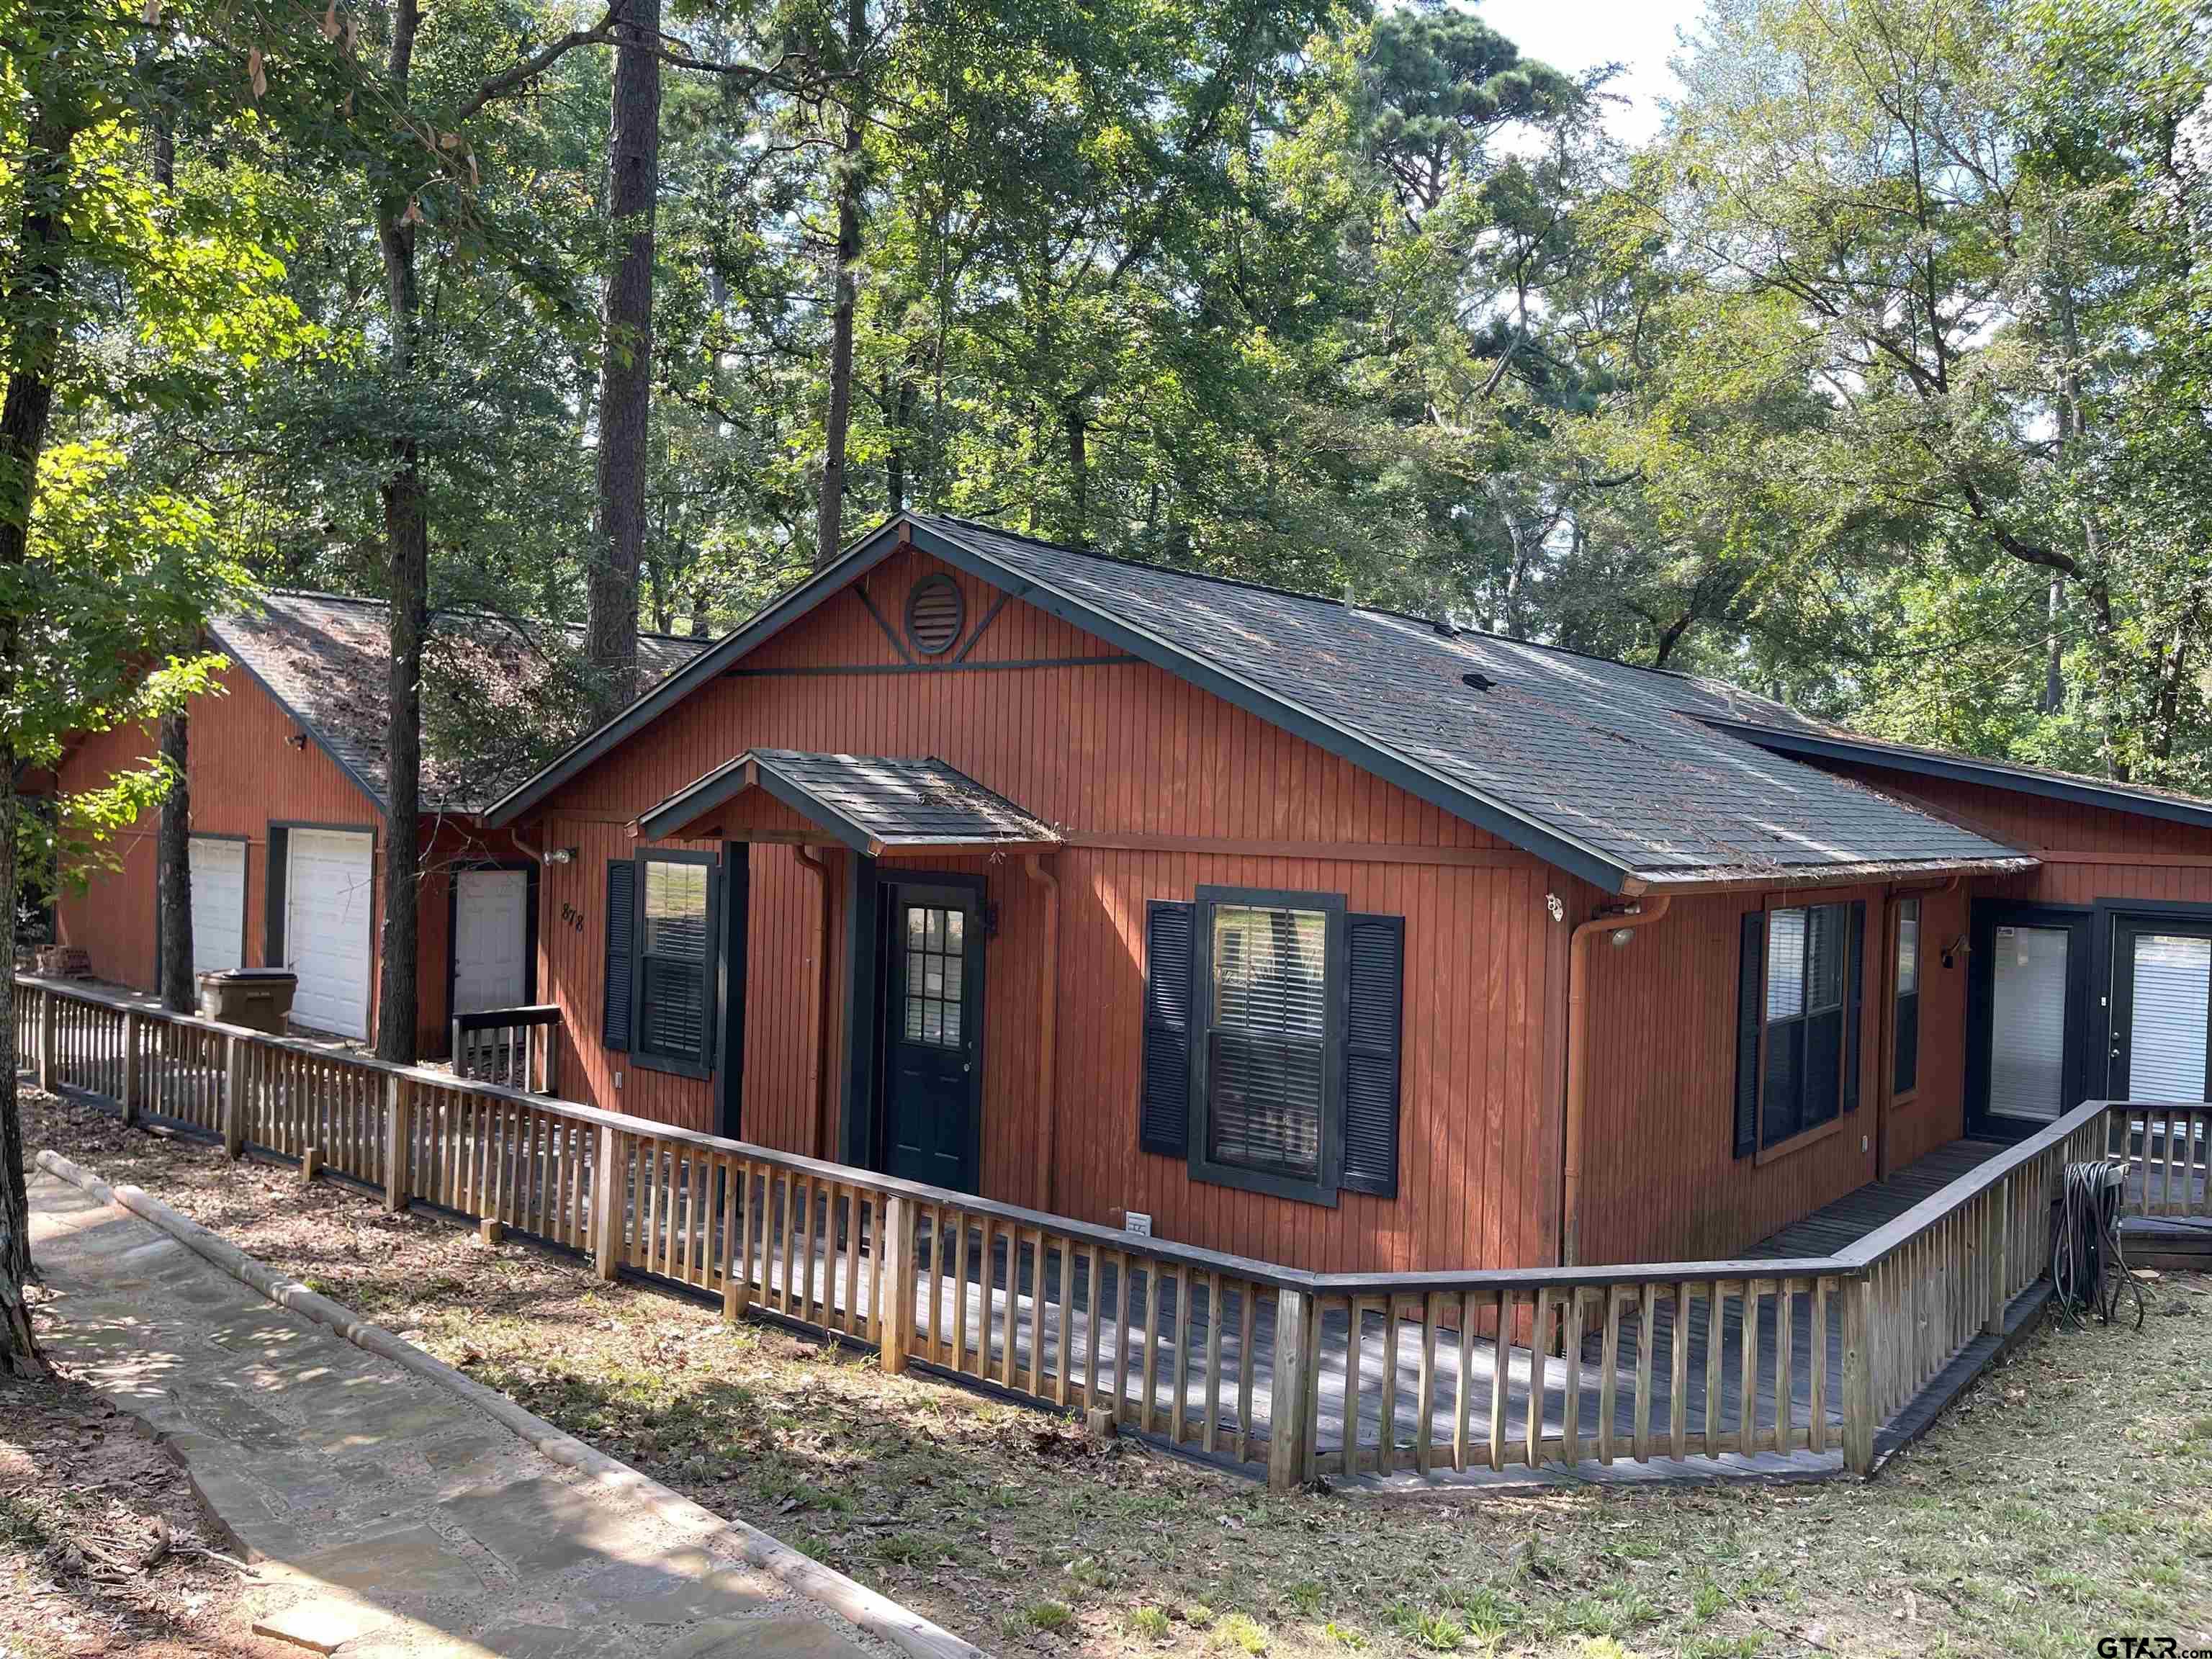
(218, 880)
(329, 926)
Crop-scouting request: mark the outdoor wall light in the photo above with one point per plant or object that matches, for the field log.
(1957, 947)
(1620, 936)
(561, 855)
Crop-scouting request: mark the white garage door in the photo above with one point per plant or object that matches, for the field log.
(490, 916)
(328, 923)
(218, 870)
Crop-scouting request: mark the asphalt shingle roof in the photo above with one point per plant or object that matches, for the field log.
(1616, 758)
(326, 657)
(898, 802)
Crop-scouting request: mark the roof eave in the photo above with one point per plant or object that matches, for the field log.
(1870, 872)
(1964, 769)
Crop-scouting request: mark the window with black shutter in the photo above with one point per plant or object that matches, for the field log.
(1797, 1054)
(1163, 1110)
(673, 984)
(1273, 1041)
(1906, 1015)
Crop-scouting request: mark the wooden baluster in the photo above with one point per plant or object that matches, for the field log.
(1609, 1363)
(1181, 1367)
(1501, 1376)
(1785, 1337)
(1716, 1328)
(1747, 1424)
(1211, 1425)
(897, 1251)
(1036, 1312)
(1424, 1399)
(1816, 1423)
(1247, 1300)
(1463, 1394)
(1148, 1415)
(1067, 1389)
(1539, 1340)
(1386, 1439)
(1571, 1350)
(1647, 1324)
(1121, 1334)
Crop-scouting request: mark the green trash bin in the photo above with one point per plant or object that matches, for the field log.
(260, 998)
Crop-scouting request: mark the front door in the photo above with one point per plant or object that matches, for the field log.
(932, 1034)
(491, 926)
(2028, 1058)
(2161, 1010)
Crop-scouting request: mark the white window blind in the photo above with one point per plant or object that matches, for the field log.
(2027, 1023)
(1268, 1032)
(2166, 1029)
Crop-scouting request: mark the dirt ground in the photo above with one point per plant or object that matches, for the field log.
(103, 1547)
(2068, 1497)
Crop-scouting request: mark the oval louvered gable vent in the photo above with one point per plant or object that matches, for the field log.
(935, 612)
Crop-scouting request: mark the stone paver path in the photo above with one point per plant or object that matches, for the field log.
(387, 1519)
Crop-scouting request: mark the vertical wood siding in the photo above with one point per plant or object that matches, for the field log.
(1122, 752)
(244, 775)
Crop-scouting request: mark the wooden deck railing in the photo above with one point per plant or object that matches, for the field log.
(1424, 1372)
(516, 1046)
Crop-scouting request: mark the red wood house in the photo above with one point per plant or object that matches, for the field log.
(289, 804)
(1325, 935)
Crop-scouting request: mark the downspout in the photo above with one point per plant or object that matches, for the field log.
(820, 867)
(1048, 1025)
(1642, 914)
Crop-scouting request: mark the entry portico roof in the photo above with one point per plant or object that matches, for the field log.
(873, 804)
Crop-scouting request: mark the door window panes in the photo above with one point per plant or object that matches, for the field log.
(936, 959)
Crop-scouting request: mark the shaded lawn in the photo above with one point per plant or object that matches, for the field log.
(2068, 1496)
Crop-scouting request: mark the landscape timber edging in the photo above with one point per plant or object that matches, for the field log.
(855, 1603)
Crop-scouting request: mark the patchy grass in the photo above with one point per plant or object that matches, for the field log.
(2068, 1496)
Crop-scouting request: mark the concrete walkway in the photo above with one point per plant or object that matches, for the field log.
(388, 1517)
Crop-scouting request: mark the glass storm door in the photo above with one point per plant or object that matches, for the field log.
(933, 1039)
(2162, 1009)
(2030, 973)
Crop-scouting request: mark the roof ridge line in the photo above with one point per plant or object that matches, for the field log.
(1250, 586)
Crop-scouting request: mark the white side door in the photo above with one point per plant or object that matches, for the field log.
(218, 872)
(329, 925)
(491, 918)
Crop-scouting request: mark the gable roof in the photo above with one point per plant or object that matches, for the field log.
(1616, 773)
(325, 660)
(872, 803)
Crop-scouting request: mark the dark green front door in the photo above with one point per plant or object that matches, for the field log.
(932, 1034)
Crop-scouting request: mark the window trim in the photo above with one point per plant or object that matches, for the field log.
(1322, 1189)
(1905, 1097)
(1761, 1153)
(650, 1059)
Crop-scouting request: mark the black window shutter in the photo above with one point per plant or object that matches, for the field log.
(1853, 995)
(272, 908)
(1170, 996)
(1374, 996)
(622, 922)
(1750, 1009)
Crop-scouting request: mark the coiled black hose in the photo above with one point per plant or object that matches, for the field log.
(2088, 1268)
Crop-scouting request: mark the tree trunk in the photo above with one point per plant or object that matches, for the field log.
(1078, 476)
(176, 868)
(626, 356)
(699, 610)
(19, 1347)
(34, 292)
(829, 520)
(894, 461)
(407, 534)
(2054, 682)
